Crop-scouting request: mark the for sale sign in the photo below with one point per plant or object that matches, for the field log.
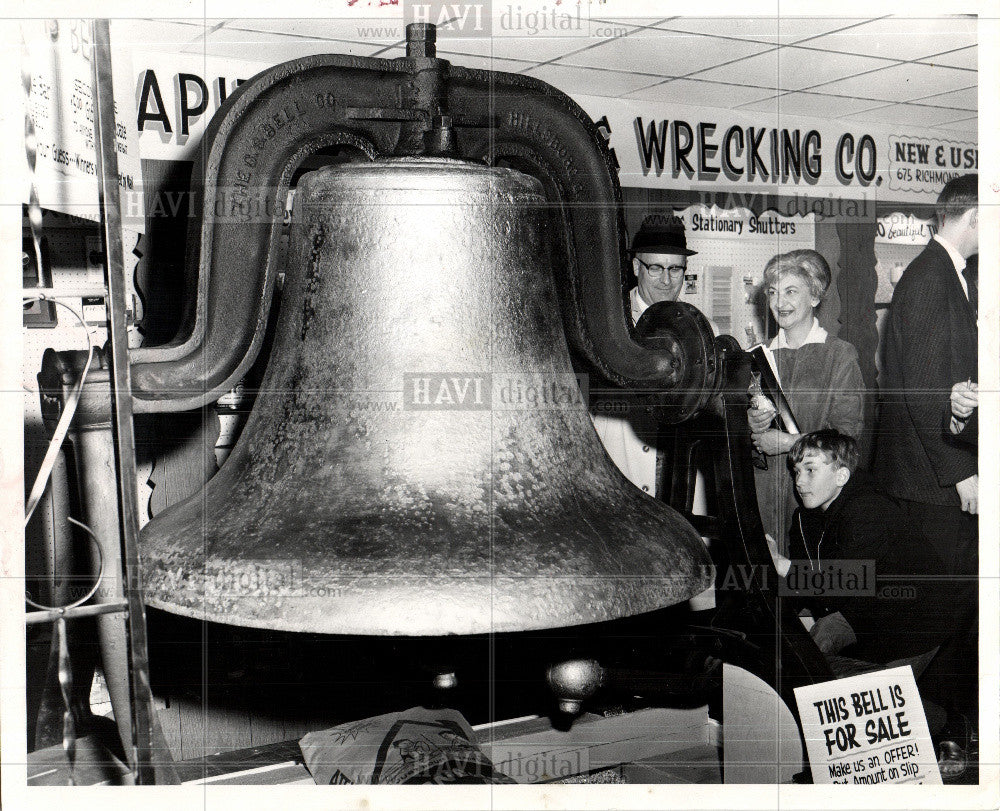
(868, 729)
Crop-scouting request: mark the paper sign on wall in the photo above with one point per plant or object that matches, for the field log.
(867, 729)
(57, 68)
(903, 229)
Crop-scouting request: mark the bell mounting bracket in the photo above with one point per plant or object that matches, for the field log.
(413, 105)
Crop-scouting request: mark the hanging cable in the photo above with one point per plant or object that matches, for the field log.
(97, 582)
(62, 427)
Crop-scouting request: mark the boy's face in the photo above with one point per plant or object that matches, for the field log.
(818, 480)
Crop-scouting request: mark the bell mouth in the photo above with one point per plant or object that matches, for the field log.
(271, 595)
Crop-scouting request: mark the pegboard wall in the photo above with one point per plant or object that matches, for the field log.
(900, 237)
(892, 261)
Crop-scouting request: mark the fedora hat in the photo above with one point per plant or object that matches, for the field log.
(661, 233)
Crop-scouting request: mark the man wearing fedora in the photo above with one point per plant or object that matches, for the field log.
(659, 261)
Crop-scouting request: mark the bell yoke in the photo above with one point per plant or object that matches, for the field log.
(410, 106)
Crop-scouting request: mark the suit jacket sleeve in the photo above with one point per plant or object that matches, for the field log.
(927, 375)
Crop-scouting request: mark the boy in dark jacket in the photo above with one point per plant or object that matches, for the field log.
(876, 588)
(872, 583)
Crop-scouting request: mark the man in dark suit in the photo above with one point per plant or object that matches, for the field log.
(930, 344)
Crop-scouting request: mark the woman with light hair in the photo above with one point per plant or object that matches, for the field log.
(819, 375)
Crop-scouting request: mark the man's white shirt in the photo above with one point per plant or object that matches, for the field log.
(631, 454)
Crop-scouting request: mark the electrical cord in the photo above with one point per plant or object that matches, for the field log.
(58, 436)
(62, 427)
(97, 582)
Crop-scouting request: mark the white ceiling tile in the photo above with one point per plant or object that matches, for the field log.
(611, 25)
(804, 29)
(902, 38)
(945, 25)
(969, 127)
(790, 68)
(937, 118)
(333, 28)
(376, 33)
(664, 53)
(634, 64)
(784, 29)
(967, 58)
(173, 34)
(511, 22)
(700, 94)
(761, 29)
(526, 49)
(901, 82)
(813, 105)
(966, 99)
(583, 81)
(254, 46)
(908, 114)
(886, 46)
(283, 39)
(603, 27)
(483, 62)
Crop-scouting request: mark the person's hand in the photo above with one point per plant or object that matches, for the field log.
(772, 545)
(781, 563)
(832, 633)
(968, 491)
(773, 441)
(964, 399)
(956, 426)
(761, 414)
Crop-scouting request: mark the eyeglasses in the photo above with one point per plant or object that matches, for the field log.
(658, 270)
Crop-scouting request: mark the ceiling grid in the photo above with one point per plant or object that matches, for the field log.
(897, 68)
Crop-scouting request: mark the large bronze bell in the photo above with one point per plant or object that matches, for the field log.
(419, 460)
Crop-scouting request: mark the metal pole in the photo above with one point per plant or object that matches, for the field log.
(95, 458)
(121, 400)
